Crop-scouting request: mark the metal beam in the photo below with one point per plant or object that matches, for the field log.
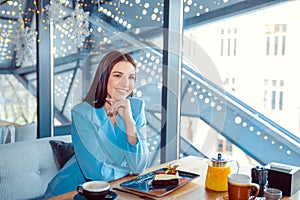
(259, 137)
(228, 11)
(5, 71)
(57, 62)
(60, 117)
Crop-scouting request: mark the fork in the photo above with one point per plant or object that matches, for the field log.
(141, 196)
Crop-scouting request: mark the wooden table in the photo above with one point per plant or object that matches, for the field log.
(191, 191)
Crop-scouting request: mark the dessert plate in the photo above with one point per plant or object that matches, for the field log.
(143, 183)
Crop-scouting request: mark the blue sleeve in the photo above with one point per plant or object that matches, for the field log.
(135, 156)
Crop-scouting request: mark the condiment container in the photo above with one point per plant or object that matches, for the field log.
(272, 194)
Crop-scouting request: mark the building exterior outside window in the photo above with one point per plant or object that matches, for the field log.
(276, 39)
(256, 61)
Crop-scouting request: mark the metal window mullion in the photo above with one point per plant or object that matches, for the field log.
(171, 92)
(45, 74)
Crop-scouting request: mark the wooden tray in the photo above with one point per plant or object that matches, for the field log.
(143, 183)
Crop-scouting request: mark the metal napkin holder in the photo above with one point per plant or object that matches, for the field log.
(284, 177)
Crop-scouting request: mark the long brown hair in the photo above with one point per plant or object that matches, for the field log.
(98, 90)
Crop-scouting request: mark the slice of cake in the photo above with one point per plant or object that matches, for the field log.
(166, 177)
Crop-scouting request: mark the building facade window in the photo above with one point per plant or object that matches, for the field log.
(229, 84)
(273, 94)
(228, 42)
(275, 39)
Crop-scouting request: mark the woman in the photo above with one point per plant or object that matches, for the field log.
(106, 129)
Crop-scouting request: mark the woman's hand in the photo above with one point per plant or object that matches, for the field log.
(123, 108)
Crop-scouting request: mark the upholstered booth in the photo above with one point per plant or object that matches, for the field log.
(11, 132)
(26, 132)
(26, 167)
(7, 134)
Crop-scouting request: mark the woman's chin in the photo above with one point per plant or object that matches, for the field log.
(119, 97)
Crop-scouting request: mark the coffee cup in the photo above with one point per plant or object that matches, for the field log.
(93, 189)
(241, 188)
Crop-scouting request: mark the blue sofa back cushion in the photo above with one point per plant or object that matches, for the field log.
(63, 151)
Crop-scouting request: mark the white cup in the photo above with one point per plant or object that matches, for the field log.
(93, 189)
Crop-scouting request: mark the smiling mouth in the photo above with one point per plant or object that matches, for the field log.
(122, 91)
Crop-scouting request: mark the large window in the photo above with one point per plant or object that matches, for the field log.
(238, 47)
(256, 57)
(17, 103)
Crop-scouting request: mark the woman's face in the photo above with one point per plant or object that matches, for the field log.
(121, 80)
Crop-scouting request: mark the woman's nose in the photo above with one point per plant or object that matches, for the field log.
(124, 81)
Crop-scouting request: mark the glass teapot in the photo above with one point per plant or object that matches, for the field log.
(217, 173)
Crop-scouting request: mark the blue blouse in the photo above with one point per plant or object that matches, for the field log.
(102, 151)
